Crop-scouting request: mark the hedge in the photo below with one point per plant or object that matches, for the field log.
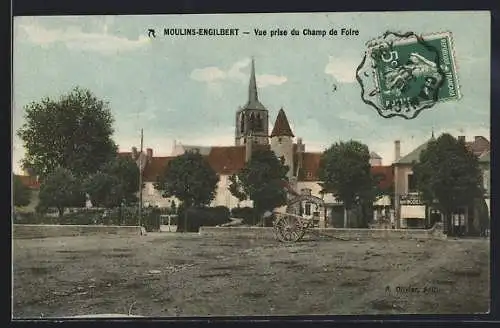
(202, 216)
(248, 214)
(84, 216)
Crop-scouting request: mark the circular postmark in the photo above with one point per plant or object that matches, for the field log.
(401, 74)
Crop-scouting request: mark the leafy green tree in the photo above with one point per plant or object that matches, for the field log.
(191, 180)
(447, 172)
(261, 180)
(117, 180)
(127, 172)
(22, 193)
(61, 190)
(73, 132)
(345, 172)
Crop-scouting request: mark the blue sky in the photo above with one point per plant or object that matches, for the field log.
(188, 88)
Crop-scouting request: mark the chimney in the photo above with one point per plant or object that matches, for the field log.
(134, 153)
(248, 148)
(300, 157)
(149, 154)
(397, 150)
(462, 138)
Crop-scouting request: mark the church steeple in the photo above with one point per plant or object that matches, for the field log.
(252, 120)
(253, 97)
(252, 86)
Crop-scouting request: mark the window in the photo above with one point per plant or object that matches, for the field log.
(411, 183)
(280, 139)
(308, 209)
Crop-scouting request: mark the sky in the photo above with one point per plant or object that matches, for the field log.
(188, 88)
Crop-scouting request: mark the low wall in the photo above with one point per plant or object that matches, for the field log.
(30, 231)
(343, 233)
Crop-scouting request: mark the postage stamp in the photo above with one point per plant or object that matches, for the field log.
(231, 165)
(411, 72)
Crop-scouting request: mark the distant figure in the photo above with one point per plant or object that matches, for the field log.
(428, 89)
(88, 202)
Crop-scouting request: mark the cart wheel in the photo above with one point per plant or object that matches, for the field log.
(288, 228)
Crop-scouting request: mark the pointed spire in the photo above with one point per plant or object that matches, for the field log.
(252, 87)
(253, 98)
(432, 135)
(281, 126)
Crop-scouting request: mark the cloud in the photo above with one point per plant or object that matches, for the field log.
(208, 74)
(74, 38)
(342, 69)
(213, 74)
(266, 80)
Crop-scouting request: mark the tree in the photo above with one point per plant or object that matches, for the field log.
(261, 180)
(190, 179)
(449, 174)
(60, 189)
(345, 172)
(22, 193)
(73, 132)
(117, 180)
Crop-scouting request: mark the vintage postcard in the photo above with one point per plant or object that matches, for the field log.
(251, 165)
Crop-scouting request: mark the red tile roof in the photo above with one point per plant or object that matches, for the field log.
(386, 174)
(281, 126)
(155, 168)
(29, 181)
(310, 166)
(227, 160)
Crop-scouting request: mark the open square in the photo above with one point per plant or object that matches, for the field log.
(191, 275)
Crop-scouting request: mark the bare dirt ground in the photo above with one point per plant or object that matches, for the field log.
(173, 274)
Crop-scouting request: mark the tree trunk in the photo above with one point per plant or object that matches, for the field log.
(61, 211)
(185, 220)
(446, 222)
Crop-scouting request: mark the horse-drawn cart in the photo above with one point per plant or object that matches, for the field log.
(292, 225)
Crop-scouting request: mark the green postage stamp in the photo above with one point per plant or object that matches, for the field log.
(411, 73)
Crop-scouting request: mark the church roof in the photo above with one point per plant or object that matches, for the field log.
(281, 126)
(253, 98)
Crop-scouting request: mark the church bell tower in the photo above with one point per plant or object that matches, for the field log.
(252, 120)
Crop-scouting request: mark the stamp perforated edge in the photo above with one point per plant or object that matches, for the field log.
(429, 36)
